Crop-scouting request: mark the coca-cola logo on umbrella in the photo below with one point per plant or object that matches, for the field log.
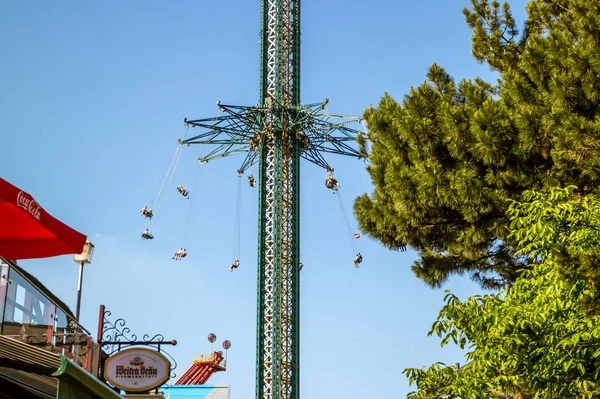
(29, 204)
(27, 231)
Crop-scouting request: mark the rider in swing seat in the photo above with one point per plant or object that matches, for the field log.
(178, 255)
(183, 191)
(234, 265)
(147, 213)
(358, 259)
(331, 183)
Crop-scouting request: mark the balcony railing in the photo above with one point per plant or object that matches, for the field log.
(31, 313)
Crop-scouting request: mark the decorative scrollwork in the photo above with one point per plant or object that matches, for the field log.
(36, 340)
(172, 361)
(117, 331)
(74, 345)
(157, 337)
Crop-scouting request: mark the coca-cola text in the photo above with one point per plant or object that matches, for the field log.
(29, 204)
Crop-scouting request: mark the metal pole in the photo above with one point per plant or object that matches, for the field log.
(100, 324)
(79, 292)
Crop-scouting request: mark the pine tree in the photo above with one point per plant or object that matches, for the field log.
(446, 159)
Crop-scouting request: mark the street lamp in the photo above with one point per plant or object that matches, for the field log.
(81, 259)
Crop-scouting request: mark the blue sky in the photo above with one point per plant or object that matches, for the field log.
(93, 95)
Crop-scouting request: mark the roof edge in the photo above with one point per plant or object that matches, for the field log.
(71, 372)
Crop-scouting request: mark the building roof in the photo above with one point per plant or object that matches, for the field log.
(31, 372)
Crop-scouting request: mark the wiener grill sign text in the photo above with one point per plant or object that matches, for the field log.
(137, 369)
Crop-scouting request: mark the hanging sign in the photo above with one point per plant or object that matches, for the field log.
(137, 369)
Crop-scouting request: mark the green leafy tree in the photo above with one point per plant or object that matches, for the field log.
(445, 160)
(540, 338)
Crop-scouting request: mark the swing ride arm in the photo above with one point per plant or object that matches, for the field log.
(241, 129)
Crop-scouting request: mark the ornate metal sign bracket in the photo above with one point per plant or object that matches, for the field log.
(115, 336)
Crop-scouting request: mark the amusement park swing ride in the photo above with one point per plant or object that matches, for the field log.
(274, 135)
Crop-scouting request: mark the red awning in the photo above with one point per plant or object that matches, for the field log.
(27, 231)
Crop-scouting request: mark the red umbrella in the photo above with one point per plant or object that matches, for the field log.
(27, 231)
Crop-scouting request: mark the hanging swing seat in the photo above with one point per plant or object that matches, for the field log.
(332, 184)
(357, 260)
(234, 265)
(147, 213)
(183, 191)
(182, 253)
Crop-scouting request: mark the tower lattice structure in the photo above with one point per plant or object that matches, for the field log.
(276, 133)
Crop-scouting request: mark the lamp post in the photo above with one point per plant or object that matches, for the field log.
(81, 259)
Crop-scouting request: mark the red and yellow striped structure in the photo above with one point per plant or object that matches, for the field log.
(203, 368)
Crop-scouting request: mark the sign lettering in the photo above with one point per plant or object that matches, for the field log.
(137, 369)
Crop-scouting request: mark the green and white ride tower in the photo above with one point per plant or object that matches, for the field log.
(276, 133)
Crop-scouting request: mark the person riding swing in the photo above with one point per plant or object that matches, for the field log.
(182, 253)
(147, 213)
(332, 184)
(183, 191)
(234, 265)
(357, 260)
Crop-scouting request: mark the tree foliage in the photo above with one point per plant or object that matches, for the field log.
(445, 160)
(540, 338)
